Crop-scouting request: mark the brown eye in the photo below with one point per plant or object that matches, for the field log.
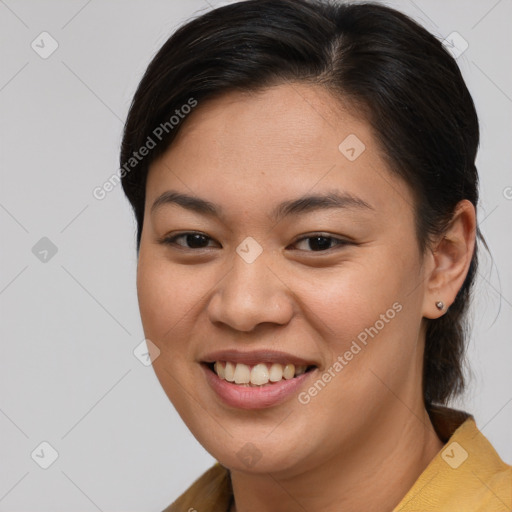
(320, 243)
(191, 240)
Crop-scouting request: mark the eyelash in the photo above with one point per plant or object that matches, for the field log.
(171, 241)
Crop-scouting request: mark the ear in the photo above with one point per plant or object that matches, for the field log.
(449, 260)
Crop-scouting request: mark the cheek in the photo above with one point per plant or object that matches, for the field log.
(166, 294)
(367, 301)
(167, 297)
(350, 298)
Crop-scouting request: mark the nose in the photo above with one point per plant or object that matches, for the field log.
(251, 294)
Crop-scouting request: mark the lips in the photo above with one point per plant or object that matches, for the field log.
(255, 357)
(240, 379)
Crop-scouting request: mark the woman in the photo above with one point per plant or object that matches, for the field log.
(303, 178)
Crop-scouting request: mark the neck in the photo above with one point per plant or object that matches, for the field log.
(373, 475)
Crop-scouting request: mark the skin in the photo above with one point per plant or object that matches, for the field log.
(364, 439)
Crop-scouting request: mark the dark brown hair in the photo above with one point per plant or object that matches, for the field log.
(397, 74)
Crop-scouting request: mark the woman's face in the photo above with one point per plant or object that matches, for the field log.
(304, 252)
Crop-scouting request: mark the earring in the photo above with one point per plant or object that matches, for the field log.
(440, 305)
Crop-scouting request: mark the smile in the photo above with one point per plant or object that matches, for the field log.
(255, 380)
(259, 374)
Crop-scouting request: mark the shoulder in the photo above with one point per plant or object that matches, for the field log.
(211, 492)
(466, 475)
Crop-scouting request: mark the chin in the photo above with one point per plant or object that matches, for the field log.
(252, 459)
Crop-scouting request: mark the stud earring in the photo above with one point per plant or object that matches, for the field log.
(440, 305)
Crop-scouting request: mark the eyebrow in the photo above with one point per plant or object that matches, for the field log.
(302, 205)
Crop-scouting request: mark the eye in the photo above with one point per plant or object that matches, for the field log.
(316, 242)
(319, 243)
(191, 240)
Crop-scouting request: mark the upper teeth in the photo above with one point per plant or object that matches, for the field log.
(259, 375)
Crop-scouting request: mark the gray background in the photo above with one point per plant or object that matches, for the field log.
(69, 321)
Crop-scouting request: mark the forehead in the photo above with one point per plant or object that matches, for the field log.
(284, 140)
(275, 122)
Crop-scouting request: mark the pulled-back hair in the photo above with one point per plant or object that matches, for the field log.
(394, 73)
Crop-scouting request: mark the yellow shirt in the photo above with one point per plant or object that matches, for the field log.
(467, 475)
